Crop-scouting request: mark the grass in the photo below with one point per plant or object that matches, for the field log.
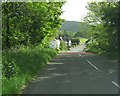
(14, 85)
(82, 40)
(30, 60)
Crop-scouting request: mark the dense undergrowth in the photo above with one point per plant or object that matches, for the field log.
(104, 51)
(22, 64)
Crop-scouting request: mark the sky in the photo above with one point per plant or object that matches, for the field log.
(74, 10)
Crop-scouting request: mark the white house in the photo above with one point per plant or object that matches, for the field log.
(55, 44)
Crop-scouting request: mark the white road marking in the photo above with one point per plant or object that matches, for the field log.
(92, 65)
(98, 70)
(115, 84)
(80, 55)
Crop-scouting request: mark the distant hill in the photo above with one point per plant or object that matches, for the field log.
(80, 29)
(70, 26)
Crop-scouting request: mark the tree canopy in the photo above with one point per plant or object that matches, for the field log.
(104, 20)
(29, 22)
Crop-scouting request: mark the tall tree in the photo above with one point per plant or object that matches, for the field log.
(106, 24)
(29, 22)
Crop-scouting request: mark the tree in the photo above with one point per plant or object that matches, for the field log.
(106, 24)
(11, 14)
(83, 30)
(29, 22)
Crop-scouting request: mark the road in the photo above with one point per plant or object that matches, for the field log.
(77, 73)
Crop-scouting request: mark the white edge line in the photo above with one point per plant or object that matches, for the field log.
(115, 84)
(92, 65)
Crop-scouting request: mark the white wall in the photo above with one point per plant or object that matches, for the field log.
(55, 44)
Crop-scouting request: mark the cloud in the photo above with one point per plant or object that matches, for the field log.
(74, 10)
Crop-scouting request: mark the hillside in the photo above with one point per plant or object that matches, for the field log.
(81, 28)
(70, 26)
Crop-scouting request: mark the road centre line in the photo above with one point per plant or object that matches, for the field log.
(115, 84)
(80, 55)
(90, 63)
(98, 70)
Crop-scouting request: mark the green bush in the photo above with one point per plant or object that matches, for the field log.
(75, 41)
(22, 64)
(63, 45)
(10, 69)
(82, 40)
(97, 47)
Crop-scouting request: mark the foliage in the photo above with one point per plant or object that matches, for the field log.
(65, 33)
(41, 21)
(104, 26)
(83, 40)
(27, 28)
(15, 84)
(63, 45)
(83, 30)
(75, 41)
(29, 60)
(10, 69)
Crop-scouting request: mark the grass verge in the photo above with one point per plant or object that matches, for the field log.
(29, 61)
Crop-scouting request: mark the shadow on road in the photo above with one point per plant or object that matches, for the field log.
(70, 74)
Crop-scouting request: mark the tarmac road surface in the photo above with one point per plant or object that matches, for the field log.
(77, 73)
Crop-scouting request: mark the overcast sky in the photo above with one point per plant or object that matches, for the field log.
(74, 10)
